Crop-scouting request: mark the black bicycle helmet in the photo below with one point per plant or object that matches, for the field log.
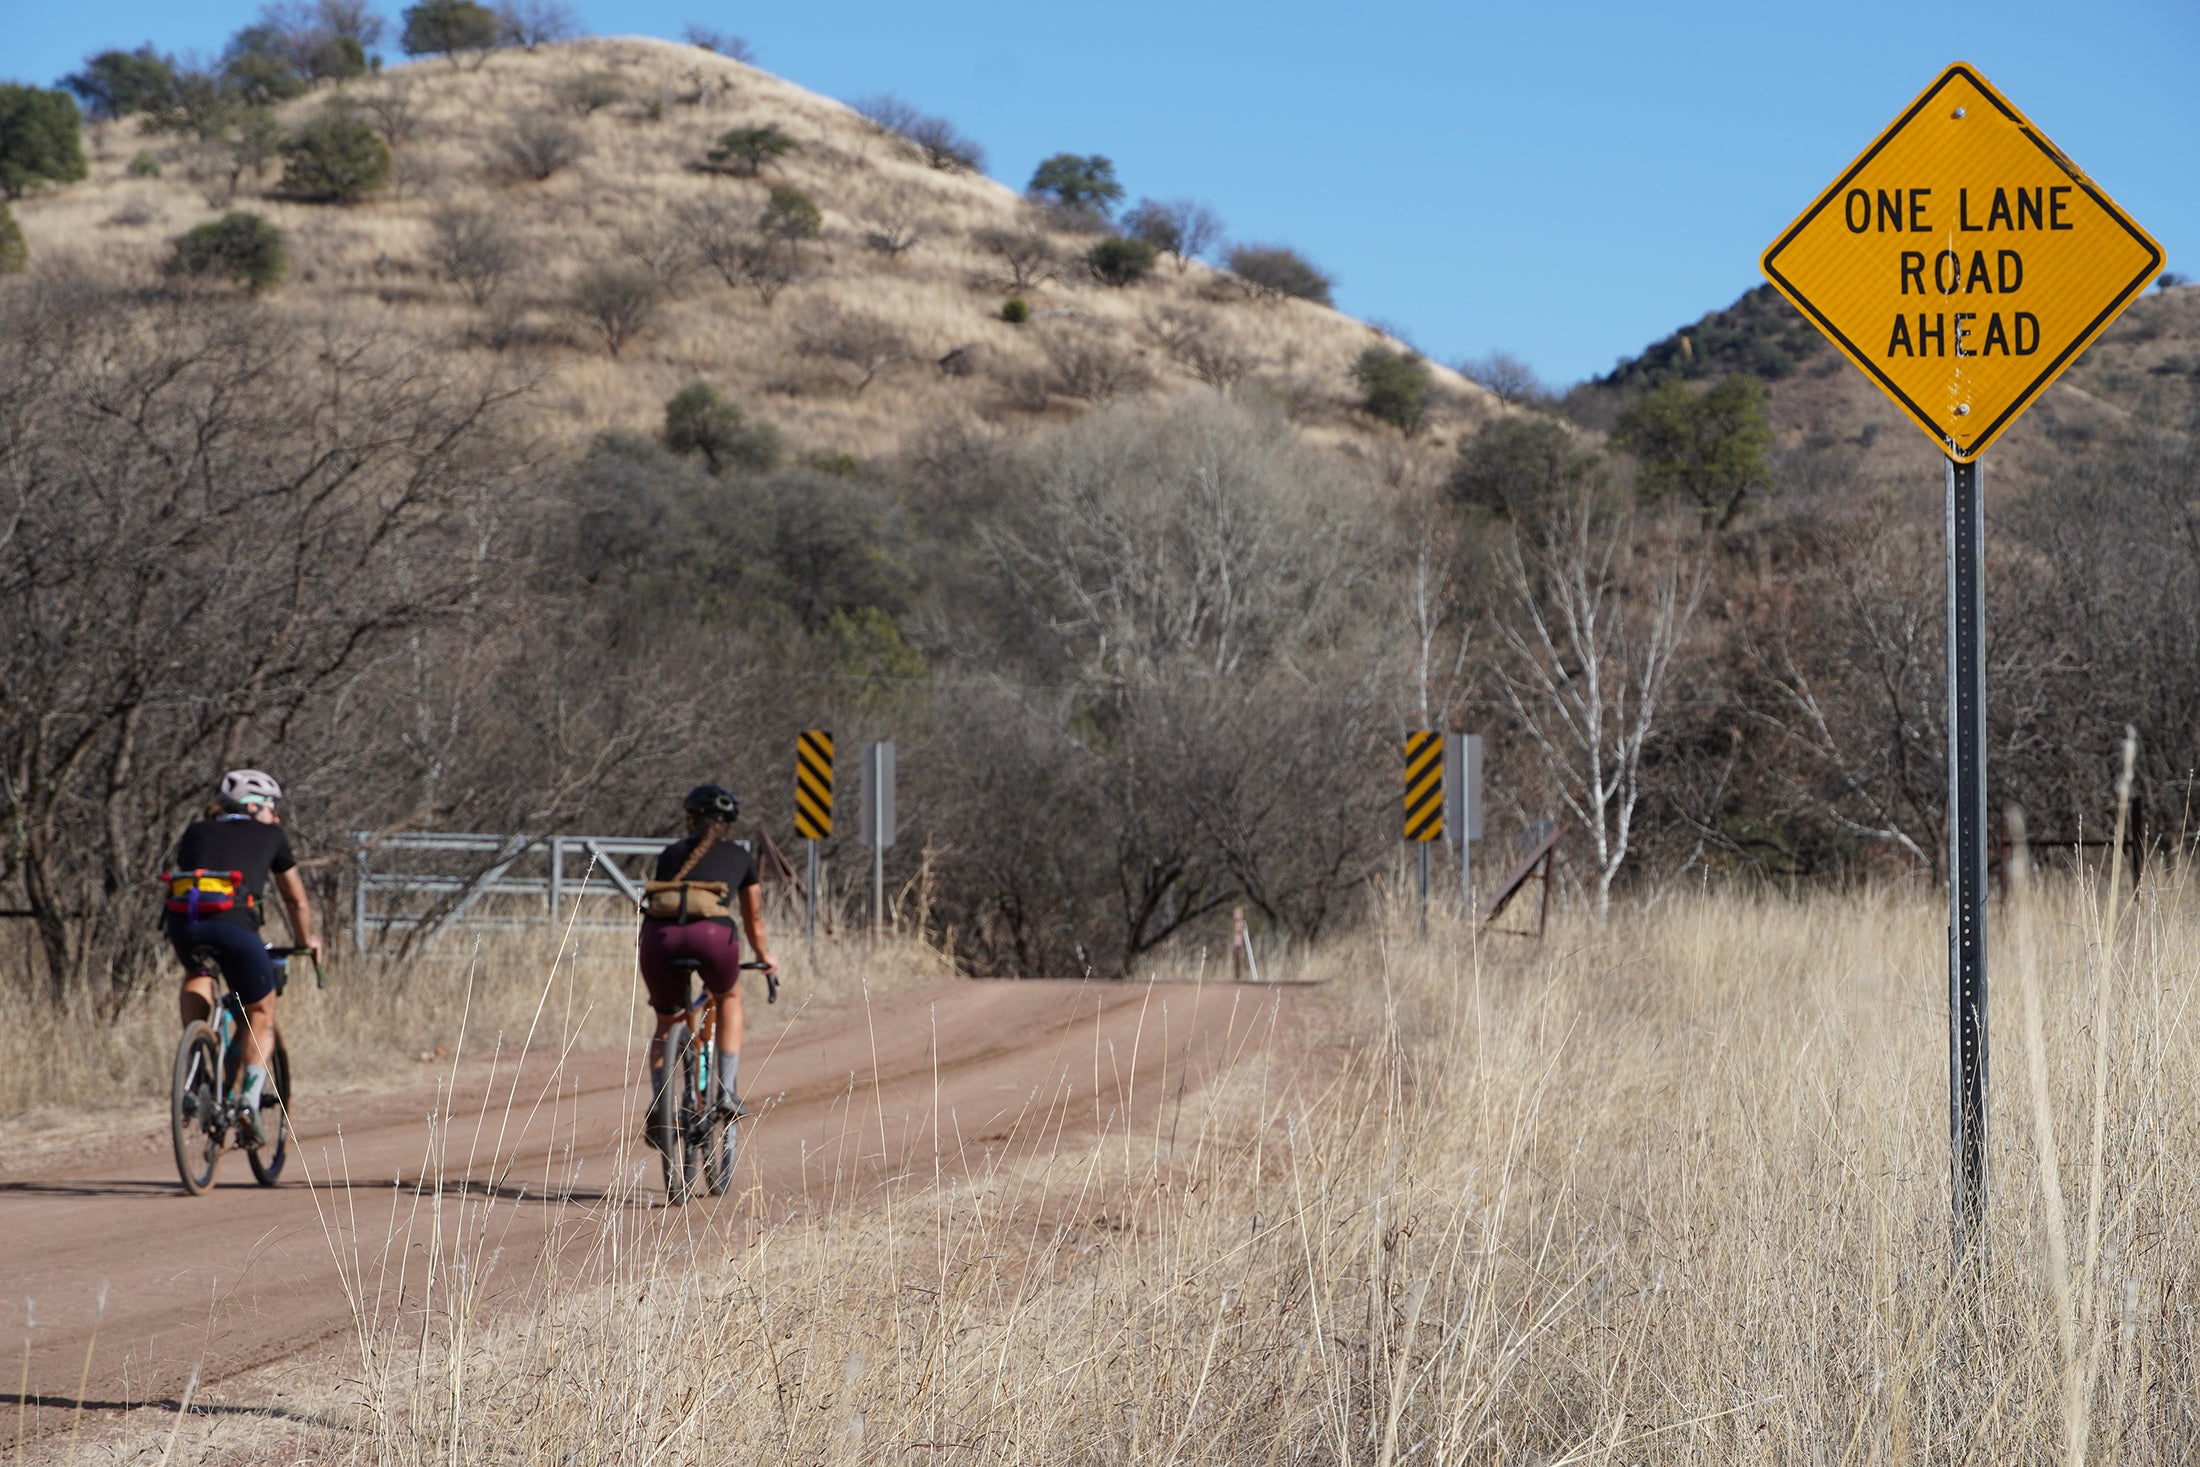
(714, 800)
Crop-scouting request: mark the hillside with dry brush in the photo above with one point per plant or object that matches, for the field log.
(890, 317)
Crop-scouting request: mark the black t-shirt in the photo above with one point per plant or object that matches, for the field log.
(725, 861)
(236, 843)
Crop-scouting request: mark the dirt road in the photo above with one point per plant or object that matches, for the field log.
(851, 1101)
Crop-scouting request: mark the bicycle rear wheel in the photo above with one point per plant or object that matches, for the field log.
(194, 1107)
(670, 1123)
(267, 1161)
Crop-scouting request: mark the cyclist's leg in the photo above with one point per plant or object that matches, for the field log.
(251, 974)
(667, 991)
(196, 1001)
(716, 948)
(719, 947)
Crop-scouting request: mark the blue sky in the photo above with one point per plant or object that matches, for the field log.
(1563, 182)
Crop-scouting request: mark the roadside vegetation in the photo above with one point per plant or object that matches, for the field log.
(1667, 1189)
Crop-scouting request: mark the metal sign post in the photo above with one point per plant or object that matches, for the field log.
(1463, 807)
(1963, 262)
(1967, 1028)
(878, 823)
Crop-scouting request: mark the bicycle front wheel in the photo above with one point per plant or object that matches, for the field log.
(267, 1161)
(670, 1123)
(194, 1107)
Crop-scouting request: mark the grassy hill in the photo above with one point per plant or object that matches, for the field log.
(927, 317)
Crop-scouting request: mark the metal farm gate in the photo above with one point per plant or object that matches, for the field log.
(410, 889)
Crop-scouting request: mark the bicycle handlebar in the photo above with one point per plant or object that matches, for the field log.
(771, 980)
(284, 954)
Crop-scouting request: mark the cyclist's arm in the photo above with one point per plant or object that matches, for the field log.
(752, 918)
(292, 889)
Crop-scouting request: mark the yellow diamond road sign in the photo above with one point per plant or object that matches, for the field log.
(1963, 262)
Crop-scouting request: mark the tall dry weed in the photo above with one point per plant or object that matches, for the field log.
(1672, 1189)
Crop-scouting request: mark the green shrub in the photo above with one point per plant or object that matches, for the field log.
(1710, 446)
(1078, 184)
(117, 84)
(791, 216)
(1276, 270)
(144, 165)
(257, 70)
(745, 150)
(446, 27)
(335, 158)
(698, 420)
(15, 256)
(41, 139)
(1120, 260)
(1014, 311)
(1393, 387)
(238, 247)
(1519, 464)
(339, 58)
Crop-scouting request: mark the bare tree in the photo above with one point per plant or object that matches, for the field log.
(1188, 575)
(145, 652)
(1202, 344)
(934, 139)
(1026, 255)
(895, 222)
(393, 110)
(730, 239)
(617, 301)
(538, 147)
(532, 23)
(473, 248)
(1089, 363)
(1505, 376)
(590, 92)
(870, 345)
(1183, 228)
(944, 146)
(1594, 627)
(661, 247)
(886, 114)
(722, 42)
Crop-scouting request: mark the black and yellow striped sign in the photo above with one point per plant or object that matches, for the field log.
(813, 784)
(1424, 785)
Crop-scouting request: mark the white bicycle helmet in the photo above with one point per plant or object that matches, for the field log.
(250, 787)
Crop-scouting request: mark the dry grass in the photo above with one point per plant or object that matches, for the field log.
(1668, 1191)
(381, 1021)
(368, 263)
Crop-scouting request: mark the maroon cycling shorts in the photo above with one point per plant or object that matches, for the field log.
(715, 944)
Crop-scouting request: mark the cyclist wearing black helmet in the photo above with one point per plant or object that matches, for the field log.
(687, 913)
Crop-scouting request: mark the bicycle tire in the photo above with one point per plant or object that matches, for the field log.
(693, 1117)
(267, 1161)
(194, 1107)
(714, 1147)
(670, 1121)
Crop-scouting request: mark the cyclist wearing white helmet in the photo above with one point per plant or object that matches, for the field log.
(223, 861)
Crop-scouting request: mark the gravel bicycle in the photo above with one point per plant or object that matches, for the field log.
(206, 1108)
(695, 1137)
